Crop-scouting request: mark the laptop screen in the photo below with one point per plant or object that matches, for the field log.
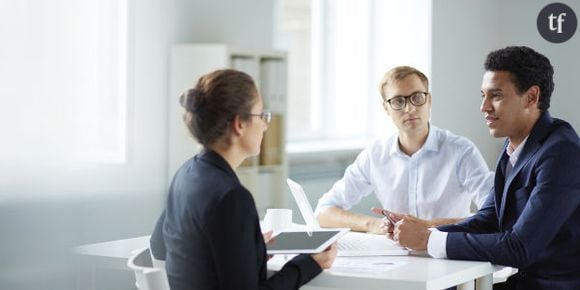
(303, 203)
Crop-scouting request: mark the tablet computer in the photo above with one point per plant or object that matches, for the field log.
(304, 242)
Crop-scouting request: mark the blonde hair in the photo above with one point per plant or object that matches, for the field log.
(398, 73)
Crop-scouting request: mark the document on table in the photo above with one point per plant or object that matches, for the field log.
(364, 265)
(347, 265)
(355, 244)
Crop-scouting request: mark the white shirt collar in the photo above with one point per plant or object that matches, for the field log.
(431, 144)
(515, 153)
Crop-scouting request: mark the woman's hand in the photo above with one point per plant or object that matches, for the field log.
(267, 238)
(326, 258)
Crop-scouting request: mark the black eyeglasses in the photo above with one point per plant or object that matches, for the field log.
(400, 102)
(266, 116)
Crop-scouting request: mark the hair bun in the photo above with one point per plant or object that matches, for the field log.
(191, 100)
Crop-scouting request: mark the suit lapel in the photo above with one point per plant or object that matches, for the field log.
(527, 153)
(499, 187)
(499, 184)
(537, 135)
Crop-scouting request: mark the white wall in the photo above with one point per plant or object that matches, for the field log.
(464, 32)
(242, 24)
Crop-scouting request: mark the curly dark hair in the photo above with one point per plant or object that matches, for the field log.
(215, 101)
(527, 68)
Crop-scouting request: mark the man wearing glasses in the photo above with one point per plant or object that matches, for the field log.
(425, 172)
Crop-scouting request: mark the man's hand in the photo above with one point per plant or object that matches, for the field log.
(425, 223)
(333, 217)
(388, 222)
(391, 218)
(377, 226)
(412, 233)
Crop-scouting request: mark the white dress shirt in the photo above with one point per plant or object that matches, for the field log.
(438, 181)
(437, 243)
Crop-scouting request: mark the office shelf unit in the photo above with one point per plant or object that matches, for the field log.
(263, 175)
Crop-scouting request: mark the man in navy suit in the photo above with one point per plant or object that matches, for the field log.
(531, 218)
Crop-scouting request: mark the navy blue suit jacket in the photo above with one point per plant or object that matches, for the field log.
(531, 218)
(210, 234)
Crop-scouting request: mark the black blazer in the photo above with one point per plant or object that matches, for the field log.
(210, 234)
(531, 218)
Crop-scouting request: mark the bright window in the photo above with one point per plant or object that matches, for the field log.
(338, 53)
(64, 90)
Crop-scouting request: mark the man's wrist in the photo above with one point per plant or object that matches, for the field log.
(370, 224)
(436, 244)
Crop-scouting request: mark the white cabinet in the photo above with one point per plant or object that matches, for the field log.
(263, 175)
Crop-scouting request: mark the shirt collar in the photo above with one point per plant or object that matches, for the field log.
(431, 144)
(514, 153)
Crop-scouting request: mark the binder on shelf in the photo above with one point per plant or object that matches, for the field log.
(272, 144)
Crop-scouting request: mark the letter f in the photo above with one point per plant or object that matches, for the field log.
(560, 20)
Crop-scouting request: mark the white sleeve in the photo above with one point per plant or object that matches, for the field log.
(474, 175)
(354, 185)
(437, 244)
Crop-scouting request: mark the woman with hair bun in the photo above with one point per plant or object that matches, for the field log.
(209, 234)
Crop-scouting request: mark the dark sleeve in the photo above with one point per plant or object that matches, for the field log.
(553, 199)
(484, 221)
(156, 242)
(238, 249)
(297, 272)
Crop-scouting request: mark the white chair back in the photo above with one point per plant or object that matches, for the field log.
(147, 276)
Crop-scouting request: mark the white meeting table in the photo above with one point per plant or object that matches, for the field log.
(417, 272)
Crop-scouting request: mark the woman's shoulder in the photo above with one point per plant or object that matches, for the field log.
(200, 186)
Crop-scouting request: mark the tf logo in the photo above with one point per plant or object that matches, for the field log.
(557, 22)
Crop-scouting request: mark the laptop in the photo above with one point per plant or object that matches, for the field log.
(351, 243)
